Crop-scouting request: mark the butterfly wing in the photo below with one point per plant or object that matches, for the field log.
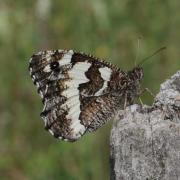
(75, 89)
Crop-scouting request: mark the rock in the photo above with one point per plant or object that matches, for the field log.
(145, 140)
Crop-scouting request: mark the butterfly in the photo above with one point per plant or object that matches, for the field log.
(80, 93)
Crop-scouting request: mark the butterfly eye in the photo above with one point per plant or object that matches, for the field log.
(54, 65)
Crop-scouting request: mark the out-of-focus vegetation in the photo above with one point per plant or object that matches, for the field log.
(108, 29)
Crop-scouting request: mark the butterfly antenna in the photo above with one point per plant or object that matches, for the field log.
(138, 48)
(153, 54)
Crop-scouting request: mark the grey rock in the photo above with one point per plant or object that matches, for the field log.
(145, 140)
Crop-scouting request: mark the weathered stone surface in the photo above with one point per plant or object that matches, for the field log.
(145, 140)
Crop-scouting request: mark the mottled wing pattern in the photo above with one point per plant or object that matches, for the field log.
(75, 90)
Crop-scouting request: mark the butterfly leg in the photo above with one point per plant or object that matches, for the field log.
(141, 102)
(147, 90)
(125, 102)
(150, 92)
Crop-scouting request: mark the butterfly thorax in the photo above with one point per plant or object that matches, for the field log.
(133, 89)
(126, 86)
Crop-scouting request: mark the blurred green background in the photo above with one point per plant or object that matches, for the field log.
(108, 29)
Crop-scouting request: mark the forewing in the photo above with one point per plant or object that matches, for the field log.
(72, 85)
